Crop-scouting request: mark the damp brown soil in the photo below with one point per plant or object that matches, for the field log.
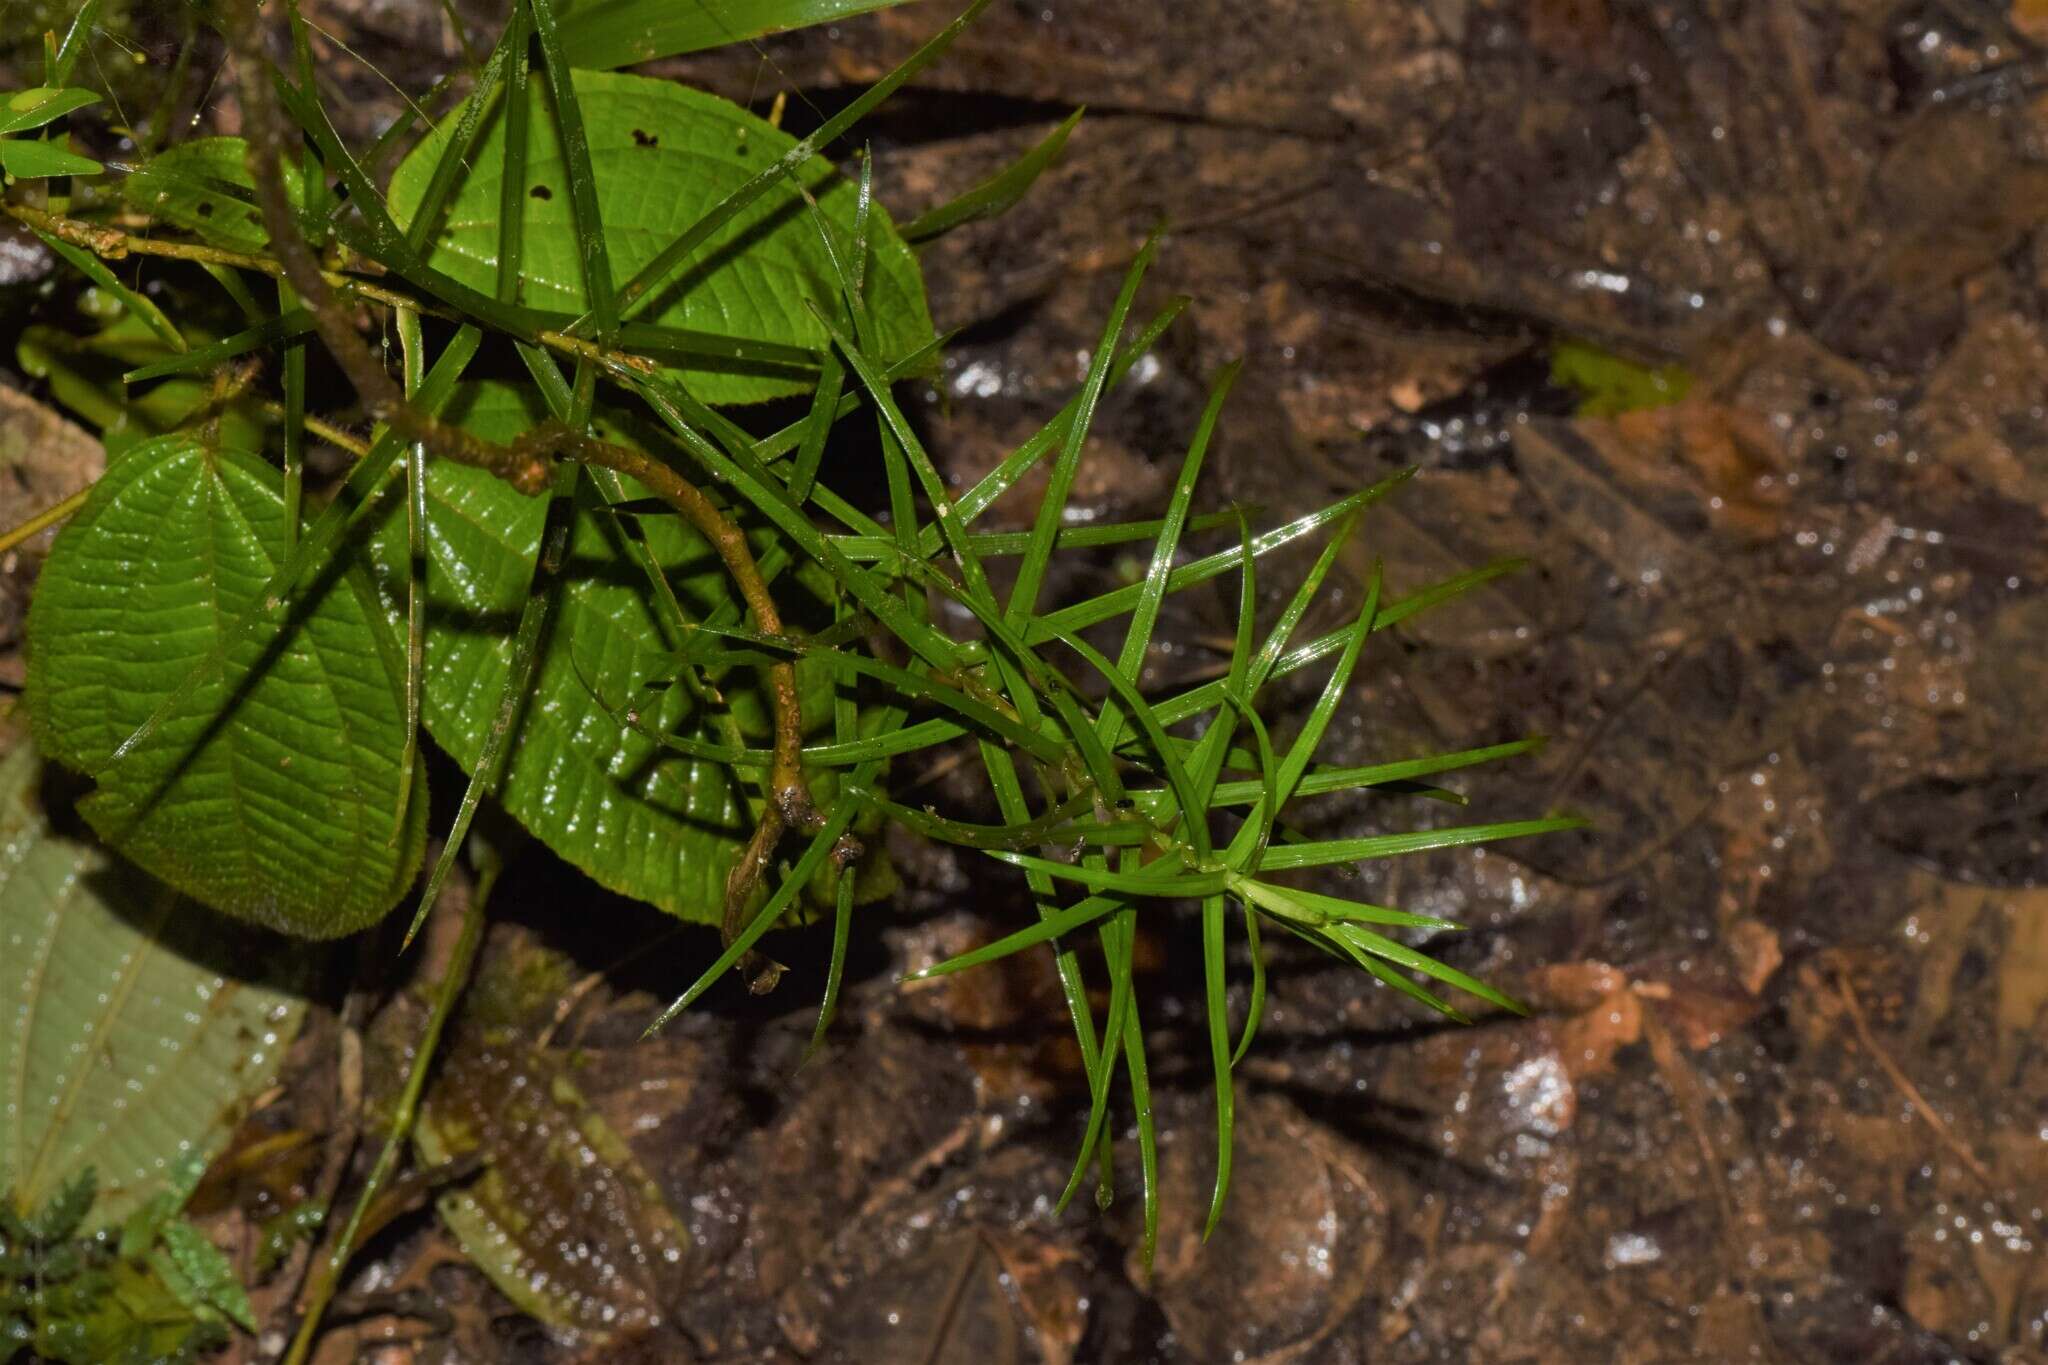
(1783, 1095)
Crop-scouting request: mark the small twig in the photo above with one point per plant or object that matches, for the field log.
(335, 436)
(1935, 1123)
(341, 1142)
(453, 979)
(584, 985)
(43, 520)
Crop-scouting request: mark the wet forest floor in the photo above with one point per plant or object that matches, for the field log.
(1784, 1093)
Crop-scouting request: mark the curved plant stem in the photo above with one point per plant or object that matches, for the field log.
(43, 520)
(453, 979)
(112, 244)
(325, 430)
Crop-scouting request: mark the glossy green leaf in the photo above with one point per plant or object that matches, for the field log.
(138, 1024)
(661, 155)
(648, 823)
(203, 186)
(609, 33)
(273, 791)
(62, 55)
(25, 109)
(25, 160)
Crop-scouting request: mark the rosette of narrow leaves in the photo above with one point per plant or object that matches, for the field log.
(1176, 800)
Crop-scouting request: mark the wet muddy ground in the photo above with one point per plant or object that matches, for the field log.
(1784, 1094)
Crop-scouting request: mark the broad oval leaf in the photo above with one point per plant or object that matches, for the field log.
(646, 823)
(136, 1028)
(272, 792)
(662, 154)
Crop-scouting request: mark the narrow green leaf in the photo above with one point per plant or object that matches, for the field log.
(913, 685)
(1218, 1010)
(25, 109)
(817, 428)
(608, 33)
(806, 867)
(996, 194)
(1013, 466)
(1400, 953)
(1325, 708)
(1116, 953)
(1399, 982)
(1256, 1009)
(1063, 824)
(1148, 1136)
(296, 322)
(769, 497)
(24, 160)
(1109, 605)
(413, 350)
(1253, 836)
(1209, 695)
(94, 269)
(1023, 604)
(1052, 924)
(1195, 828)
(1319, 782)
(1323, 853)
(1152, 591)
(586, 220)
(1207, 760)
(518, 120)
(903, 443)
(835, 971)
(1315, 910)
(454, 159)
(1163, 878)
(83, 20)
(997, 544)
